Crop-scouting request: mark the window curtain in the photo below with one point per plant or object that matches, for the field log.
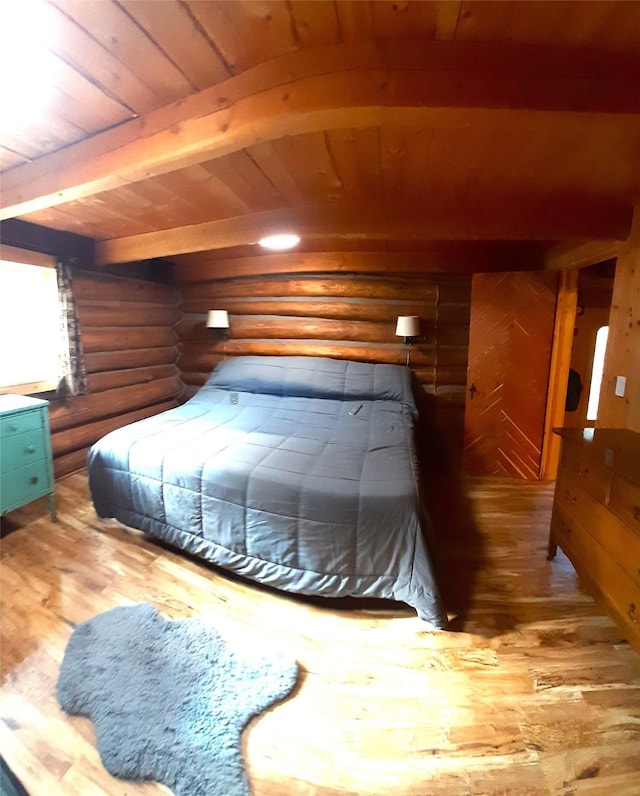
(72, 373)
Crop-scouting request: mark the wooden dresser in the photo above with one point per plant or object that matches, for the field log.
(26, 470)
(596, 517)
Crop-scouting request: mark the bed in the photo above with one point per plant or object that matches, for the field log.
(296, 472)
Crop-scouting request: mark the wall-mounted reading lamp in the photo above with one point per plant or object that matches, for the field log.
(219, 319)
(408, 326)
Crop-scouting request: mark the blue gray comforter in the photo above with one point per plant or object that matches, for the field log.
(298, 472)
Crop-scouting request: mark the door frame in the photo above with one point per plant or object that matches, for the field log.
(566, 309)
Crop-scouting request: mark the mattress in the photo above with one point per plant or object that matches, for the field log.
(297, 472)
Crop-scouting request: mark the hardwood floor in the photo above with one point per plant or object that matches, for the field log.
(536, 694)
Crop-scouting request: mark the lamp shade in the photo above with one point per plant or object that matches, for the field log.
(218, 319)
(408, 326)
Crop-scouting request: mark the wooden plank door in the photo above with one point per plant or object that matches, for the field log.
(511, 334)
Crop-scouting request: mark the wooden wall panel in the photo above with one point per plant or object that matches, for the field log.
(623, 345)
(130, 353)
(332, 314)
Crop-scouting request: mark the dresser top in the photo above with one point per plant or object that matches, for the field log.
(19, 403)
(617, 449)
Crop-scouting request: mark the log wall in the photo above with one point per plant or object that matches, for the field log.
(130, 346)
(329, 313)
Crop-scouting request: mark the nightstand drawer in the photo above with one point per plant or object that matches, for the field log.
(18, 450)
(24, 485)
(26, 467)
(19, 422)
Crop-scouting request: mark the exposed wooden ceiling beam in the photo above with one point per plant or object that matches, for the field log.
(524, 220)
(435, 84)
(565, 257)
(455, 258)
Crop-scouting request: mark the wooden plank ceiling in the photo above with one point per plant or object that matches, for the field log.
(172, 127)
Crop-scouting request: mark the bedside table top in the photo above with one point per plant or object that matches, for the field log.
(19, 403)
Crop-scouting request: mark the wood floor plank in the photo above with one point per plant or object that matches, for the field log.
(536, 691)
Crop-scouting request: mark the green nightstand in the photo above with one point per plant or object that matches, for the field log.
(26, 469)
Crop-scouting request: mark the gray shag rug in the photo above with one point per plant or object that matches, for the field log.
(169, 699)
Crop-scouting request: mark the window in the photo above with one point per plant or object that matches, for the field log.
(29, 325)
(596, 372)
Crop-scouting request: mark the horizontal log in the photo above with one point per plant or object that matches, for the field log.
(102, 361)
(198, 379)
(452, 334)
(87, 408)
(458, 314)
(126, 337)
(98, 382)
(452, 355)
(452, 374)
(282, 327)
(70, 462)
(194, 310)
(451, 395)
(443, 257)
(275, 327)
(89, 286)
(105, 313)
(73, 439)
(352, 286)
(189, 391)
(454, 291)
(190, 379)
(425, 375)
(201, 359)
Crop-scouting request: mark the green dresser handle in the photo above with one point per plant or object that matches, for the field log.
(33, 479)
(31, 448)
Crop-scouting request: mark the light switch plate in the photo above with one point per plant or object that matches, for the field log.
(621, 385)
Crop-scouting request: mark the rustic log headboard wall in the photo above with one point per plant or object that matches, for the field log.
(329, 313)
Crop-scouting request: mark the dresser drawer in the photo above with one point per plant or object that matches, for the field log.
(19, 422)
(601, 572)
(19, 450)
(599, 523)
(24, 485)
(580, 468)
(624, 501)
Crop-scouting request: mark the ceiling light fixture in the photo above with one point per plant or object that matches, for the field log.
(279, 242)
